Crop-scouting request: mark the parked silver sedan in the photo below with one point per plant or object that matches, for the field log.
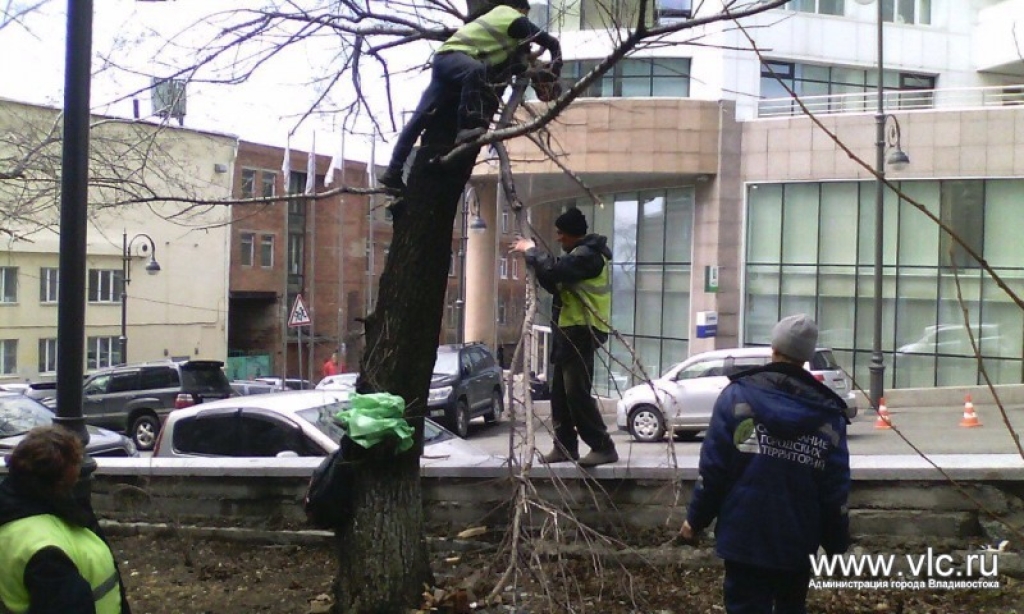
(281, 424)
(682, 399)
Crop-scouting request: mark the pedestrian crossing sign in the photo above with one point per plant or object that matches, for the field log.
(300, 315)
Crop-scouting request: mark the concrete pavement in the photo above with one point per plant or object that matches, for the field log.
(933, 430)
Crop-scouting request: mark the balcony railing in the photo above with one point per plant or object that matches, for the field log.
(895, 100)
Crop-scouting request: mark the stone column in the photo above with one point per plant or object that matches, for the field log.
(481, 265)
(718, 240)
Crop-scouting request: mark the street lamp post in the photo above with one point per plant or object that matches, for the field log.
(152, 267)
(74, 188)
(898, 159)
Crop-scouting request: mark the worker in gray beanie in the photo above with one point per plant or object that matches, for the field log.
(774, 476)
(580, 282)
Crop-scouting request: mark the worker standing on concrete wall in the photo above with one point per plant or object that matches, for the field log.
(581, 313)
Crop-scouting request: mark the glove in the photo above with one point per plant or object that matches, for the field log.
(546, 83)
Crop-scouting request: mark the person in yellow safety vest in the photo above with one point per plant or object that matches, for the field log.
(53, 556)
(463, 69)
(580, 281)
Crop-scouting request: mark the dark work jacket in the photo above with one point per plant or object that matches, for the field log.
(51, 578)
(586, 261)
(775, 470)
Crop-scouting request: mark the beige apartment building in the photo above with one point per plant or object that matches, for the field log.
(180, 311)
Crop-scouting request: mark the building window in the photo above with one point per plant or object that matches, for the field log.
(267, 251)
(962, 207)
(105, 285)
(502, 312)
(451, 265)
(296, 186)
(296, 249)
(47, 355)
(297, 209)
(822, 7)
(48, 285)
(8, 284)
(245, 250)
(503, 267)
(269, 183)
(8, 356)
(672, 10)
(248, 183)
(453, 313)
(505, 218)
(907, 11)
(914, 91)
(806, 262)
(102, 352)
(634, 78)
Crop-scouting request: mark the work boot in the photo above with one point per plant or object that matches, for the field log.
(558, 455)
(392, 180)
(599, 457)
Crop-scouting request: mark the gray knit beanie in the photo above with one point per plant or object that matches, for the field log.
(795, 337)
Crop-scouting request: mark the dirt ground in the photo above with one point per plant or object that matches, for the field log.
(180, 575)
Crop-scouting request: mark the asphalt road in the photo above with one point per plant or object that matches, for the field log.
(934, 430)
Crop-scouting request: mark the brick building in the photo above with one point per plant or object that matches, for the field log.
(317, 247)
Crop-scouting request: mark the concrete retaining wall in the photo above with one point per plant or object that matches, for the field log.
(615, 499)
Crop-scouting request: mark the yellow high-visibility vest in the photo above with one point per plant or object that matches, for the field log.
(588, 302)
(486, 37)
(21, 539)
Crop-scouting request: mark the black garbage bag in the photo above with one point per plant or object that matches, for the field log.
(328, 500)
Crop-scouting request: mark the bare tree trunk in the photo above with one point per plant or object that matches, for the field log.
(382, 553)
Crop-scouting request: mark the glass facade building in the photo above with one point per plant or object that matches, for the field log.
(810, 248)
(650, 234)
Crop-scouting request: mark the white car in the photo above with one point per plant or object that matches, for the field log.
(682, 399)
(280, 424)
(341, 381)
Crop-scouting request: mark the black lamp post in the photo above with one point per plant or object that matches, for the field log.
(884, 139)
(152, 267)
(73, 219)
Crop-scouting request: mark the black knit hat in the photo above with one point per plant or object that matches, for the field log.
(522, 5)
(572, 223)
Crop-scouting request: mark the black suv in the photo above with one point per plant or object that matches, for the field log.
(134, 398)
(466, 384)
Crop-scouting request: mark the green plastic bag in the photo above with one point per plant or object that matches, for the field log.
(375, 417)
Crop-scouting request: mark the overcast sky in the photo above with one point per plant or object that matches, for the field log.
(133, 36)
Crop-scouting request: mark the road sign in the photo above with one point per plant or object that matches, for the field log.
(299, 316)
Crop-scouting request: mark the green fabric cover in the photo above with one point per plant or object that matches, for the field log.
(375, 417)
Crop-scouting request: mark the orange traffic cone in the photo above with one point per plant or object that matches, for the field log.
(884, 421)
(970, 418)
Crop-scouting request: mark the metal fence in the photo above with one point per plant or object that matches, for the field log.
(895, 100)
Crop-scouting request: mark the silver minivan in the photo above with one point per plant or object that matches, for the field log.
(682, 399)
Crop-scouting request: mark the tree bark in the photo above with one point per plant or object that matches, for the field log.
(382, 552)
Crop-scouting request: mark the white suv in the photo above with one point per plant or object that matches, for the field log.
(681, 400)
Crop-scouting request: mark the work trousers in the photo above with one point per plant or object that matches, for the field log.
(573, 409)
(757, 590)
(456, 79)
